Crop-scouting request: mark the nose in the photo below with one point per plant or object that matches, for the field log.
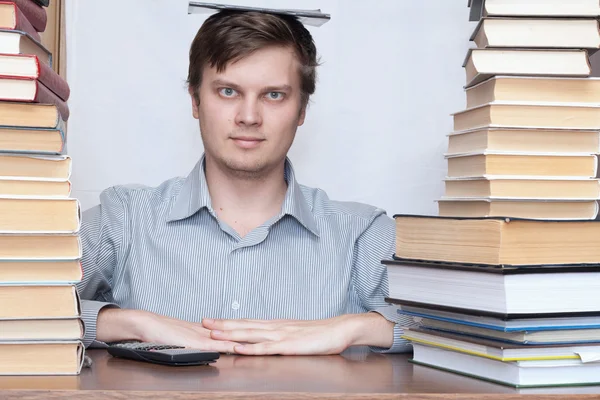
(249, 113)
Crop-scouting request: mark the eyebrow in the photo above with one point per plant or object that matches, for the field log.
(274, 88)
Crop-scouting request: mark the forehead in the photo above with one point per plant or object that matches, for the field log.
(274, 65)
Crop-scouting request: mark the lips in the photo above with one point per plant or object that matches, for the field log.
(247, 142)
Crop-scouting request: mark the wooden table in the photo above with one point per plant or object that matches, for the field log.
(356, 374)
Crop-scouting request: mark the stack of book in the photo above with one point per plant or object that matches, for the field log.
(40, 249)
(527, 143)
(504, 283)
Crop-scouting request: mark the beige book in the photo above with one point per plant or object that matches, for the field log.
(537, 8)
(51, 215)
(41, 358)
(532, 209)
(528, 140)
(529, 115)
(31, 140)
(39, 302)
(27, 247)
(14, 166)
(527, 188)
(497, 240)
(29, 115)
(524, 165)
(537, 33)
(41, 329)
(521, 89)
(481, 64)
(46, 271)
(31, 188)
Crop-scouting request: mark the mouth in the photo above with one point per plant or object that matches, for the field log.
(247, 142)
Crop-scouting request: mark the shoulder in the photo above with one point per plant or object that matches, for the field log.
(129, 194)
(357, 213)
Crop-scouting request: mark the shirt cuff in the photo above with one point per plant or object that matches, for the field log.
(399, 345)
(89, 316)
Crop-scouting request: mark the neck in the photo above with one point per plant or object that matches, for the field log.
(245, 201)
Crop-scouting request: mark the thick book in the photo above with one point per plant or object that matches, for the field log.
(39, 215)
(534, 290)
(27, 272)
(30, 115)
(39, 247)
(35, 167)
(41, 358)
(39, 301)
(497, 240)
(41, 329)
(519, 374)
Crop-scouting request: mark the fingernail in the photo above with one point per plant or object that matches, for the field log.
(239, 347)
(216, 332)
(207, 320)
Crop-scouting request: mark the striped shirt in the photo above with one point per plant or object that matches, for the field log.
(163, 249)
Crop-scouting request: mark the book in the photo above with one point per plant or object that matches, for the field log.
(497, 240)
(21, 272)
(559, 209)
(34, 141)
(520, 374)
(543, 8)
(41, 358)
(35, 167)
(18, 42)
(523, 140)
(31, 247)
(527, 115)
(12, 18)
(524, 291)
(537, 33)
(482, 64)
(71, 329)
(526, 90)
(520, 188)
(39, 215)
(34, 188)
(20, 70)
(39, 301)
(37, 115)
(490, 163)
(34, 13)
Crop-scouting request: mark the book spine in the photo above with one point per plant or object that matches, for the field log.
(47, 96)
(53, 81)
(23, 24)
(34, 13)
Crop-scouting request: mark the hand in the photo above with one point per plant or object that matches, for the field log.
(289, 337)
(117, 324)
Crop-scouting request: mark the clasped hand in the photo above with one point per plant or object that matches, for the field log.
(285, 337)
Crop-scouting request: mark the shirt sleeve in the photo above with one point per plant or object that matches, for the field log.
(370, 277)
(103, 241)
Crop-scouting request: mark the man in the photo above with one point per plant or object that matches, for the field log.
(238, 257)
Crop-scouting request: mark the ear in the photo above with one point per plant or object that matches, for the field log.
(194, 103)
(302, 115)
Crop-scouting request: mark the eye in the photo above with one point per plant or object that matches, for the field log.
(227, 92)
(275, 95)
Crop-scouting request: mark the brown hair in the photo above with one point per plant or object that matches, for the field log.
(229, 36)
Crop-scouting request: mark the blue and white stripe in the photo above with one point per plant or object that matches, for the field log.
(163, 250)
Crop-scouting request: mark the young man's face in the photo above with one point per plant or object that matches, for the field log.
(249, 113)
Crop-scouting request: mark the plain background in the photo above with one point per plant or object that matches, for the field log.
(376, 128)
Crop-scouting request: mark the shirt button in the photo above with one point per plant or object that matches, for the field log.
(235, 305)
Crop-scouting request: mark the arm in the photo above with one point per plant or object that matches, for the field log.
(102, 239)
(370, 280)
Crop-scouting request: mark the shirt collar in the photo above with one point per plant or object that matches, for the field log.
(194, 196)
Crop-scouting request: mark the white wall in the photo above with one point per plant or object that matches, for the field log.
(375, 132)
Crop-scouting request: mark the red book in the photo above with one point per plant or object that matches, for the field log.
(22, 66)
(34, 13)
(12, 18)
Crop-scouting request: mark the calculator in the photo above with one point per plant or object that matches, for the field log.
(161, 354)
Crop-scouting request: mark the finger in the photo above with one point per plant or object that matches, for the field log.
(247, 335)
(264, 348)
(232, 324)
(221, 346)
